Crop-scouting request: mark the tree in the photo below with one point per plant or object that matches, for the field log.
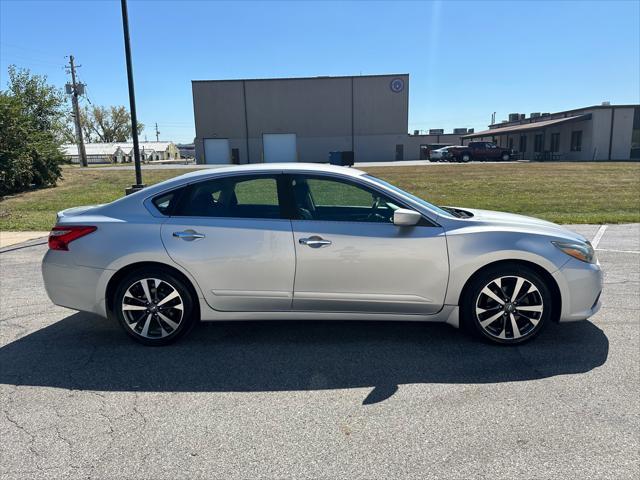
(31, 114)
(107, 124)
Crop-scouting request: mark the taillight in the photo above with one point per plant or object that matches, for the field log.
(61, 237)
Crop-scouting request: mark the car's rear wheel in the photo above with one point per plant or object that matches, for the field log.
(154, 307)
(505, 157)
(508, 304)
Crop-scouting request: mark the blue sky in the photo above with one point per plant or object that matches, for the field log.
(466, 59)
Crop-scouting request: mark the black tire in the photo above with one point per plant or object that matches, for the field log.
(528, 324)
(465, 157)
(505, 157)
(158, 331)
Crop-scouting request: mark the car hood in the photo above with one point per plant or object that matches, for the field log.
(512, 221)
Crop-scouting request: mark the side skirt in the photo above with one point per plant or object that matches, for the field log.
(448, 314)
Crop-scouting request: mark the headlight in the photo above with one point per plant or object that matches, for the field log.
(582, 251)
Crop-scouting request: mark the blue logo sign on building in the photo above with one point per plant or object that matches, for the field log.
(397, 85)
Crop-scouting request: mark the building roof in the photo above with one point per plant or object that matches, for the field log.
(320, 77)
(527, 127)
(576, 110)
(71, 149)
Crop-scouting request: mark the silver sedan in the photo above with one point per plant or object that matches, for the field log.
(313, 242)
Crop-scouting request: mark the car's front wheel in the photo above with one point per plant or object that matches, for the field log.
(466, 157)
(507, 304)
(153, 306)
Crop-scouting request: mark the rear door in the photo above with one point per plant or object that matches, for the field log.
(352, 258)
(231, 235)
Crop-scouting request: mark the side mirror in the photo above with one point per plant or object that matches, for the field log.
(404, 217)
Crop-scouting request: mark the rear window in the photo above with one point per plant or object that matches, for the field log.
(166, 202)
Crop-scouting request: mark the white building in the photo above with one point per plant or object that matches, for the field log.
(122, 152)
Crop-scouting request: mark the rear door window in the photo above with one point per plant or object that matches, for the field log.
(244, 196)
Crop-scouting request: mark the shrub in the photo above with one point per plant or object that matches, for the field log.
(30, 154)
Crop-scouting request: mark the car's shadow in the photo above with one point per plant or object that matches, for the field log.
(85, 352)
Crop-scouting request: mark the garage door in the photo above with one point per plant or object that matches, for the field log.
(279, 147)
(216, 150)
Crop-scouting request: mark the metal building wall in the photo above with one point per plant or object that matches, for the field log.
(327, 114)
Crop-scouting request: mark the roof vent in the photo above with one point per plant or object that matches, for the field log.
(436, 131)
(606, 104)
(535, 115)
(459, 131)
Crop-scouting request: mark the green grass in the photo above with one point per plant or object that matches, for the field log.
(36, 210)
(560, 192)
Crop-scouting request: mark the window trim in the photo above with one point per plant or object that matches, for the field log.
(287, 196)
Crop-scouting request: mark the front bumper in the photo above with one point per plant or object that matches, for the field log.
(580, 286)
(72, 286)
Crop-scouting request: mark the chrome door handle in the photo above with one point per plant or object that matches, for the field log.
(314, 242)
(188, 235)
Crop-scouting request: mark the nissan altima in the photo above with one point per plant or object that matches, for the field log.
(313, 242)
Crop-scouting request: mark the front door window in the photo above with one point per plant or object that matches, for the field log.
(327, 199)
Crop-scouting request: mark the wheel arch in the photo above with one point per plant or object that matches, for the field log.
(115, 279)
(556, 295)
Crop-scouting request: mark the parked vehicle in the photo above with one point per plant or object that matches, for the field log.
(428, 149)
(479, 151)
(309, 242)
(441, 154)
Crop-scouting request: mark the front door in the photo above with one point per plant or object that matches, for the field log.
(231, 236)
(399, 152)
(352, 258)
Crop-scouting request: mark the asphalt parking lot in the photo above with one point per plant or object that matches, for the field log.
(318, 399)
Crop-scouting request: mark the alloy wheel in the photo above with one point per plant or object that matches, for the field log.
(509, 308)
(152, 308)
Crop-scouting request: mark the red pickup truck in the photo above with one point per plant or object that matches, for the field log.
(479, 151)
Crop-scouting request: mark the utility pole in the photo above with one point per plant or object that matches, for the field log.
(132, 101)
(73, 88)
(157, 133)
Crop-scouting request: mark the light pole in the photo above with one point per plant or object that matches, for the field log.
(132, 102)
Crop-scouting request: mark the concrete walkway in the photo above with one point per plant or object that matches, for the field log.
(12, 238)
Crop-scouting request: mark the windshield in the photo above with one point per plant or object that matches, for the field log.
(419, 200)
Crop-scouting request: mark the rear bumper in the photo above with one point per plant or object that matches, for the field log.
(580, 286)
(72, 286)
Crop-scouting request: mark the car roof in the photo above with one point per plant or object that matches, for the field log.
(278, 167)
(248, 169)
